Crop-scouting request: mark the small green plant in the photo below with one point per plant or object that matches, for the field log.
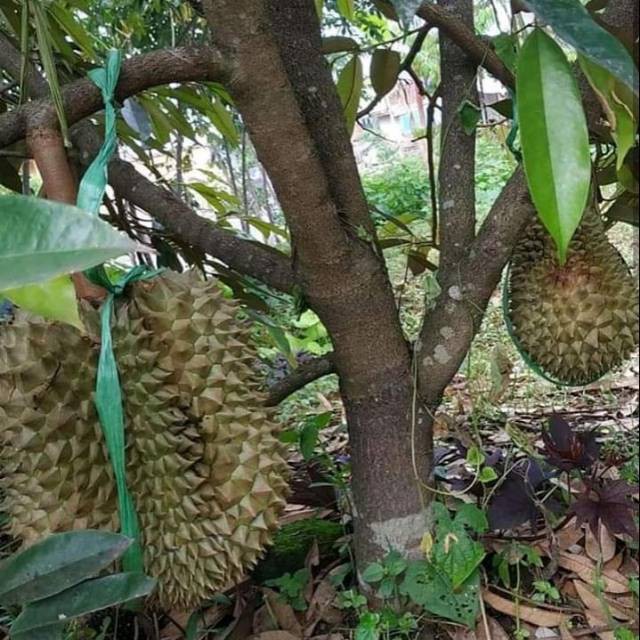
(291, 588)
(515, 555)
(351, 599)
(545, 592)
(385, 574)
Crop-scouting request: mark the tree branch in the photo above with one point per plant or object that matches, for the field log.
(405, 66)
(296, 109)
(478, 51)
(466, 289)
(244, 256)
(82, 98)
(299, 378)
(456, 174)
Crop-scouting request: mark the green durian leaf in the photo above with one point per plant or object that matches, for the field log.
(385, 66)
(58, 562)
(554, 137)
(336, 44)
(349, 88)
(573, 23)
(82, 599)
(51, 632)
(54, 299)
(41, 239)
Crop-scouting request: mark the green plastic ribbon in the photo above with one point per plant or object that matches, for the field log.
(108, 402)
(94, 181)
(108, 398)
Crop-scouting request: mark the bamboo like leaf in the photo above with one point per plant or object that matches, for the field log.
(56, 563)
(82, 599)
(54, 300)
(46, 54)
(347, 9)
(41, 239)
(554, 137)
(573, 23)
(349, 88)
(385, 66)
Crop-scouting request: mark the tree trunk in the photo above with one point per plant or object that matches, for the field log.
(390, 502)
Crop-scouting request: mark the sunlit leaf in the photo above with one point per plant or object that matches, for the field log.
(619, 104)
(54, 300)
(347, 9)
(41, 239)
(554, 137)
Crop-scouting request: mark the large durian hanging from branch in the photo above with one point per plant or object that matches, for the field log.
(577, 321)
(204, 461)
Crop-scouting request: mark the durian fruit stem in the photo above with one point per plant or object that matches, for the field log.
(59, 183)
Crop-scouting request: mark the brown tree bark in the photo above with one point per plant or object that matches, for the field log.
(290, 106)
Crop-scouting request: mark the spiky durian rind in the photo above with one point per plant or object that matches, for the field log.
(204, 462)
(579, 320)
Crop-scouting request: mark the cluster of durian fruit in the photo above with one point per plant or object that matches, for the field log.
(204, 463)
(575, 321)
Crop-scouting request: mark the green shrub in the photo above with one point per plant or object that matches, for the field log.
(401, 187)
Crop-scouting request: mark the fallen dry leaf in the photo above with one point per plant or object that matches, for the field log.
(283, 613)
(629, 567)
(275, 635)
(601, 547)
(534, 615)
(264, 620)
(585, 568)
(615, 563)
(495, 629)
(597, 621)
(321, 607)
(591, 601)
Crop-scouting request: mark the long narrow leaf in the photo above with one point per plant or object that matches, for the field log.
(56, 563)
(349, 88)
(84, 598)
(554, 137)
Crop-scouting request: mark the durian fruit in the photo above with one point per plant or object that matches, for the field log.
(204, 463)
(577, 321)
